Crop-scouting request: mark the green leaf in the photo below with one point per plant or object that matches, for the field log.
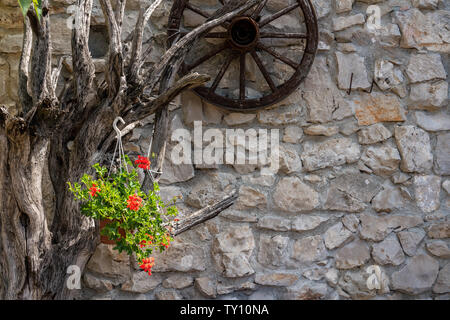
(24, 6)
(38, 8)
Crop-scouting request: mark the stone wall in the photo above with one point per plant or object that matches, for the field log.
(364, 178)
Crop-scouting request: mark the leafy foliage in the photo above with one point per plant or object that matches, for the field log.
(25, 6)
(120, 200)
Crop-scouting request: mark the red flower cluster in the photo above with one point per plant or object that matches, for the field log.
(134, 202)
(166, 245)
(147, 265)
(93, 190)
(143, 243)
(143, 162)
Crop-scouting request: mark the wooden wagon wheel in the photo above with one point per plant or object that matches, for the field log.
(245, 38)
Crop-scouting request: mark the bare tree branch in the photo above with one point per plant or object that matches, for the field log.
(83, 65)
(41, 68)
(143, 111)
(115, 70)
(56, 72)
(161, 128)
(205, 214)
(34, 21)
(136, 52)
(24, 96)
(120, 11)
(187, 82)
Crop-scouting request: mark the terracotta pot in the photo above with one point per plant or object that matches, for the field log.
(105, 239)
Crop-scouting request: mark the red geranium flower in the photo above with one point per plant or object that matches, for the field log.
(166, 245)
(134, 202)
(93, 190)
(143, 162)
(144, 243)
(147, 265)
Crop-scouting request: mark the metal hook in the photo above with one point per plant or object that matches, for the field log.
(118, 132)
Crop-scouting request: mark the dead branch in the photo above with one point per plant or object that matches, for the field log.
(56, 72)
(41, 68)
(187, 82)
(25, 98)
(205, 214)
(120, 11)
(83, 66)
(115, 70)
(143, 111)
(136, 52)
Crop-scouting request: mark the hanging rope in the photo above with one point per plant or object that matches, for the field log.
(150, 172)
(121, 152)
(148, 156)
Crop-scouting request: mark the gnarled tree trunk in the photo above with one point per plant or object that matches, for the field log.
(70, 133)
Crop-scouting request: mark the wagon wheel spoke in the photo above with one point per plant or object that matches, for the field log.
(208, 56)
(258, 9)
(276, 15)
(202, 13)
(278, 56)
(211, 35)
(264, 71)
(197, 10)
(222, 71)
(283, 35)
(242, 77)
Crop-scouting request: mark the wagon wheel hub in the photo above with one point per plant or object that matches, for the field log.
(243, 33)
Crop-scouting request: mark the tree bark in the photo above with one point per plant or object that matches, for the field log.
(66, 135)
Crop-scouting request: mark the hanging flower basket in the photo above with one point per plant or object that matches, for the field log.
(105, 239)
(134, 221)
